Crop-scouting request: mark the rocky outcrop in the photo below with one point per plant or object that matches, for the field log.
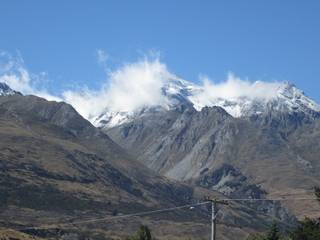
(274, 152)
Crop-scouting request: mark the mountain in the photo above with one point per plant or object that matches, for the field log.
(56, 168)
(174, 93)
(5, 90)
(244, 147)
(281, 97)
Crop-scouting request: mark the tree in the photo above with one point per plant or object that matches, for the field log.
(317, 193)
(143, 233)
(115, 212)
(308, 229)
(274, 233)
(255, 237)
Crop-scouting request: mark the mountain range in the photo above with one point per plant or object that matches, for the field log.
(57, 166)
(242, 146)
(274, 97)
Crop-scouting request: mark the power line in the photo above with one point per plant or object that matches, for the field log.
(51, 226)
(265, 199)
(120, 216)
(215, 202)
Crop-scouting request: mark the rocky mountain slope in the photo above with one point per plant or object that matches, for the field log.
(56, 167)
(241, 147)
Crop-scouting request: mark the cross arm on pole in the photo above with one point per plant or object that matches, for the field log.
(214, 203)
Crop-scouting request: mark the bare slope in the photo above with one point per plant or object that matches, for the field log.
(270, 154)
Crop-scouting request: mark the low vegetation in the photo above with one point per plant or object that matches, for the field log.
(308, 229)
(143, 233)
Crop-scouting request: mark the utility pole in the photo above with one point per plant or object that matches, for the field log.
(214, 211)
(213, 219)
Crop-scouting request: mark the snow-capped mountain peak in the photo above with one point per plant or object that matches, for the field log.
(258, 98)
(296, 99)
(284, 97)
(5, 90)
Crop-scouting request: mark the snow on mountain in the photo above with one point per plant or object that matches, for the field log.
(5, 90)
(284, 97)
(174, 92)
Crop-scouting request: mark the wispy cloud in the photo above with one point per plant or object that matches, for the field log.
(234, 87)
(102, 57)
(14, 73)
(130, 87)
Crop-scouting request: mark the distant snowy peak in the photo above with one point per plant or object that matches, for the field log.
(174, 92)
(110, 119)
(286, 98)
(295, 99)
(5, 90)
(282, 97)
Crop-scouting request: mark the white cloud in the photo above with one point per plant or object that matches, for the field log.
(13, 73)
(233, 88)
(235, 95)
(88, 103)
(102, 57)
(6, 62)
(130, 87)
(139, 84)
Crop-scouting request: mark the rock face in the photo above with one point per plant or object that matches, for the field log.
(165, 138)
(272, 153)
(237, 144)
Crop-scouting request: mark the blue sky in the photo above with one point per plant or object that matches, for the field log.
(269, 40)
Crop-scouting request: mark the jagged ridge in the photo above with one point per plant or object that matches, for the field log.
(286, 98)
(5, 90)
